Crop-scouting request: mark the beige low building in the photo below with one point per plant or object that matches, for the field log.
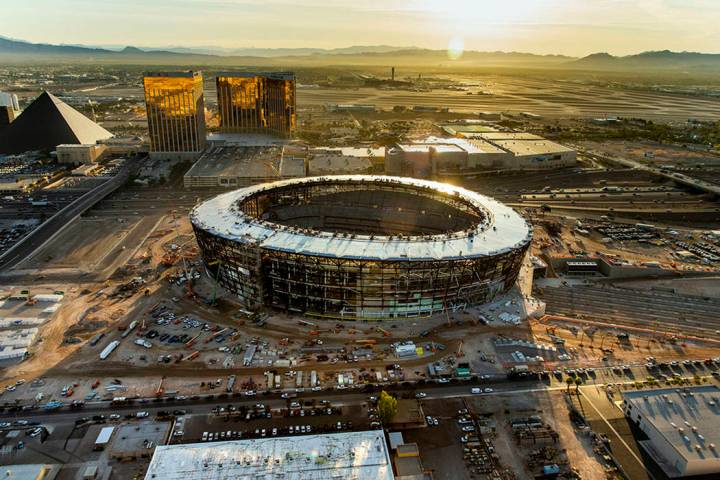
(476, 152)
(333, 163)
(80, 154)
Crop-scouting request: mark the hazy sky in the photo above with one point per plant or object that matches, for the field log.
(573, 27)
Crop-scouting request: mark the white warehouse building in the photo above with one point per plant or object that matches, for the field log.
(346, 455)
(475, 153)
(682, 426)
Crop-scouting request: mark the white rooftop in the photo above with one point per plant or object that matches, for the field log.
(504, 229)
(336, 456)
(688, 417)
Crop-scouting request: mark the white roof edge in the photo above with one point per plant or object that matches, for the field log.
(505, 231)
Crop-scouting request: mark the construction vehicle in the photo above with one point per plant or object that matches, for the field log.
(230, 384)
(169, 259)
(192, 341)
(383, 331)
(318, 332)
(192, 356)
(216, 334)
(160, 388)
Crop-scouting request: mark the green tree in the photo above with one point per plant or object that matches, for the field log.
(387, 407)
(569, 381)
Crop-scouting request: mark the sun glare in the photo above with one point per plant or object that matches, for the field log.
(456, 46)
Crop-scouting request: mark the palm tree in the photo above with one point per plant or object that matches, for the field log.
(578, 382)
(569, 382)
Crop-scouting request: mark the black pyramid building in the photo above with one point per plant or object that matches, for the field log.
(46, 123)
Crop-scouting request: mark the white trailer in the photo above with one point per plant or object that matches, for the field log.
(313, 379)
(109, 349)
(299, 379)
(129, 329)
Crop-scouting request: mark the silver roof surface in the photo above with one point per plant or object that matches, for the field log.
(503, 231)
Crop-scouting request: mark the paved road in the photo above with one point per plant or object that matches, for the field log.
(78, 206)
(499, 383)
(40, 235)
(677, 177)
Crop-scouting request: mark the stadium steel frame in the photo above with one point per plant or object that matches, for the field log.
(350, 286)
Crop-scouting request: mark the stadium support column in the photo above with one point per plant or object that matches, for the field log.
(260, 299)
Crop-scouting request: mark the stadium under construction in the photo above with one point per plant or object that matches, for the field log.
(361, 246)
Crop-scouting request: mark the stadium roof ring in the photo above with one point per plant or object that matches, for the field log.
(329, 244)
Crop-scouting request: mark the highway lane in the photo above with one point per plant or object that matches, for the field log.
(500, 385)
(50, 227)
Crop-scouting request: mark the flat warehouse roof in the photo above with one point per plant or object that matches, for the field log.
(688, 418)
(347, 456)
(482, 146)
(507, 136)
(531, 147)
(244, 162)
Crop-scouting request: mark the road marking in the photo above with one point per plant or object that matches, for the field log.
(630, 450)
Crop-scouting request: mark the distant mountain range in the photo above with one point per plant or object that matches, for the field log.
(265, 52)
(658, 60)
(18, 51)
